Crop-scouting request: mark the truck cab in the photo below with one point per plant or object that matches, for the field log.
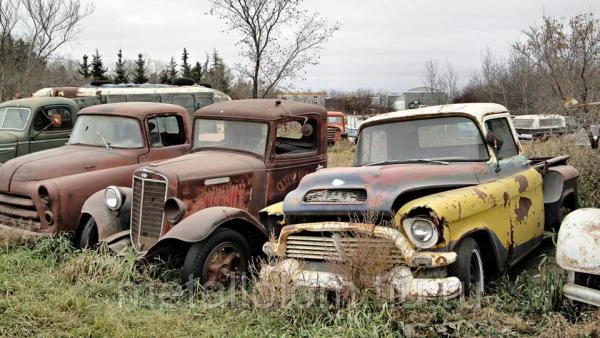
(33, 124)
(200, 210)
(336, 126)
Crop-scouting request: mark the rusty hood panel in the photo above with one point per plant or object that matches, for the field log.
(60, 161)
(208, 163)
(382, 184)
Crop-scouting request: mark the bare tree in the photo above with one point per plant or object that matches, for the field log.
(278, 39)
(31, 31)
(431, 75)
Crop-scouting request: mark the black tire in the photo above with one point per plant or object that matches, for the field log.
(469, 267)
(196, 266)
(89, 235)
(183, 81)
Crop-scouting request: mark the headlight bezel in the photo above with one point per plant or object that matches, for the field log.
(423, 243)
(118, 198)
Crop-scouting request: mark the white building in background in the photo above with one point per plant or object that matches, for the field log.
(416, 97)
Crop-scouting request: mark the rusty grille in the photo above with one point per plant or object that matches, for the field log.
(328, 248)
(336, 196)
(18, 211)
(331, 133)
(147, 211)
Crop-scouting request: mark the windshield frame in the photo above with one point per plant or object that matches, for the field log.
(26, 121)
(363, 128)
(196, 148)
(111, 146)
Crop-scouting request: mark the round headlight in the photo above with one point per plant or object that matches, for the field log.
(113, 198)
(174, 210)
(421, 231)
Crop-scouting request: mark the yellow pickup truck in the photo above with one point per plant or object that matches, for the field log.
(444, 192)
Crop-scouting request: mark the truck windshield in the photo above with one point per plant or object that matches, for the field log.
(236, 135)
(334, 119)
(14, 118)
(431, 140)
(107, 131)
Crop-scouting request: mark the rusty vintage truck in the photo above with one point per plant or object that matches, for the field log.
(445, 190)
(199, 211)
(578, 252)
(43, 192)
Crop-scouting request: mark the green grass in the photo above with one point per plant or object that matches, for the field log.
(47, 288)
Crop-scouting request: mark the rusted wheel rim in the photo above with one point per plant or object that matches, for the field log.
(223, 264)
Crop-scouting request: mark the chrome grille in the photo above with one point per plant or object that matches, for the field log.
(18, 211)
(328, 248)
(147, 211)
(336, 196)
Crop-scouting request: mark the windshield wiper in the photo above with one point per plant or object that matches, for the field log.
(412, 160)
(106, 144)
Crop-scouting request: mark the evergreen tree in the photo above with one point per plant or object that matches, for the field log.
(139, 72)
(186, 69)
(219, 75)
(164, 76)
(98, 71)
(197, 72)
(84, 67)
(120, 72)
(172, 69)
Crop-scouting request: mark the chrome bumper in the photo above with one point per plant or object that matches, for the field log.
(582, 294)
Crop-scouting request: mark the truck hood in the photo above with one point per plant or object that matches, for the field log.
(383, 184)
(206, 164)
(60, 161)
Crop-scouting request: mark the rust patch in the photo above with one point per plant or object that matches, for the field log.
(480, 194)
(441, 261)
(523, 209)
(506, 198)
(523, 183)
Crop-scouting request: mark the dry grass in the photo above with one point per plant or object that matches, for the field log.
(341, 154)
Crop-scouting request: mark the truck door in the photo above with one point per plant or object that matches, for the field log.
(43, 134)
(166, 137)
(524, 203)
(294, 155)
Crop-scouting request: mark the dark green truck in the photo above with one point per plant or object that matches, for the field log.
(33, 124)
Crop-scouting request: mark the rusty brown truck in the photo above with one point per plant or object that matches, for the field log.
(43, 192)
(199, 211)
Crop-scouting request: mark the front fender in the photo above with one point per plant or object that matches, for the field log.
(109, 222)
(201, 224)
(578, 244)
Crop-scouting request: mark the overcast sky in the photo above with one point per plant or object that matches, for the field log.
(382, 45)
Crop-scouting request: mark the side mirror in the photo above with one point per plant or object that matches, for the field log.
(56, 120)
(494, 141)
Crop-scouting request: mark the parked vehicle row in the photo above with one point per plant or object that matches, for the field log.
(446, 192)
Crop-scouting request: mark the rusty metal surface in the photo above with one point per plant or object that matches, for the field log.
(73, 173)
(259, 109)
(578, 244)
(411, 257)
(405, 285)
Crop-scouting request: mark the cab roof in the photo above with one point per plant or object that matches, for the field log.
(138, 110)
(475, 110)
(35, 102)
(259, 109)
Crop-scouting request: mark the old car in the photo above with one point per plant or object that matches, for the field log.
(336, 126)
(445, 191)
(33, 124)
(199, 211)
(43, 192)
(539, 126)
(578, 252)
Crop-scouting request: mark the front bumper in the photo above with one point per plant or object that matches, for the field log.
(582, 294)
(399, 282)
(318, 273)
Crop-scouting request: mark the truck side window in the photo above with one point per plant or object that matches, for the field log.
(166, 131)
(502, 130)
(43, 118)
(290, 139)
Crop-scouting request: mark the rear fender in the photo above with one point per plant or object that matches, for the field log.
(109, 222)
(201, 224)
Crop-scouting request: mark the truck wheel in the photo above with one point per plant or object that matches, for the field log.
(89, 235)
(468, 267)
(219, 261)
